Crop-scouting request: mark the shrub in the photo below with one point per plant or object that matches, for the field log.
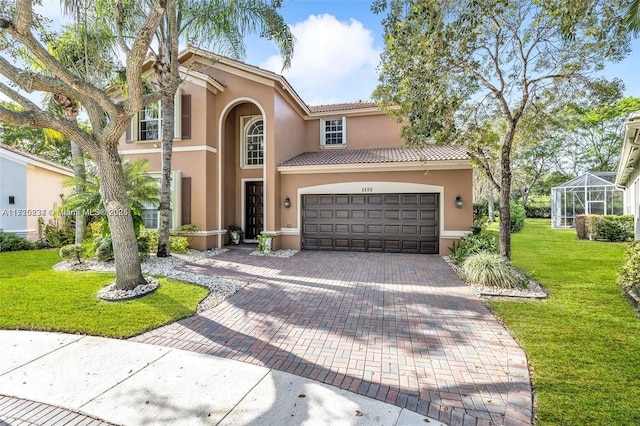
(178, 244)
(466, 246)
(604, 227)
(52, 235)
(72, 252)
(490, 269)
(538, 211)
(143, 247)
(185, 229)
(104, 249)
(152, 236)
(518, 215)
(629, 274)
(264, 243)
(12, 242)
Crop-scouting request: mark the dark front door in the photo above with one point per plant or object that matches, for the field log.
(254, 209)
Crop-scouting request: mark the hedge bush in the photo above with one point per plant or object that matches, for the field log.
(518, 216)
(629, 275)
(12, 242)
(72, 252)
(604, 227)
(177, 243)
(538, 211)
(471, 244)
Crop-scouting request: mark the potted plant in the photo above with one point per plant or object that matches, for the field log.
(264, 242)
(236, 233)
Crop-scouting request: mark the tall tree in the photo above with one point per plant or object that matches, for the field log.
(204, 23)
(449, 67)
(22, 30)
(592, 134)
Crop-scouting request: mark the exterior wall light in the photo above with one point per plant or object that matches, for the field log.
(287, 202)
(459, 201)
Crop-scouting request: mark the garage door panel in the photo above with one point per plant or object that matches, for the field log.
(310, 214)
(374, 214)
(374, 229)
(358, 244)
(326, 228)
(409, 199)
(358, 229)
(371, 222)
(392, 229)
(375, 244)
(342, 228)
(392, 214)
(358, 214)
(326, 214)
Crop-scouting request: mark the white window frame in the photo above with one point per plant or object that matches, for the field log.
(175, 202)
(245, 124)
(177, 126)
(324, 134)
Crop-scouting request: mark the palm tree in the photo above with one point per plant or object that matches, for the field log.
(69, 47)
(632, 17)
(204, 23)
(141, 188)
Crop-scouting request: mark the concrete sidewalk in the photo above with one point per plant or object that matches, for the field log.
(128, 383)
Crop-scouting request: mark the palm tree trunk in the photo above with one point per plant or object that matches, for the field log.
(114, 199)
(80, 173)
(168, 114)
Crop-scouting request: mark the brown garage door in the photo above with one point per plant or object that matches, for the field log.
(403, 223)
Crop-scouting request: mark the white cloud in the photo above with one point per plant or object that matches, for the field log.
(333, 61)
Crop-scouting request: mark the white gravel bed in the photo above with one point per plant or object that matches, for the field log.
(220, 288)
(533, 290)
(279, 253)
(111, 293)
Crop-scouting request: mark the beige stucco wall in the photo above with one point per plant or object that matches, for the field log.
(44, 187)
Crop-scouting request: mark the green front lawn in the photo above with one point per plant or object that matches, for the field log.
(34, 297)
(583, 343)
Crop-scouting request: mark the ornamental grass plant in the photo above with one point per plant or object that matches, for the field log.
(490, 270)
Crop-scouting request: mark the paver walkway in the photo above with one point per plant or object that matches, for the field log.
(400, 328)
(22, 412)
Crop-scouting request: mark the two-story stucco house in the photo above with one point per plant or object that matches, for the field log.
(30, 187)
(250, 152)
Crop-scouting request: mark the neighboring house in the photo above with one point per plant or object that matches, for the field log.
(249, 152)
(30, 187)
(628, 176)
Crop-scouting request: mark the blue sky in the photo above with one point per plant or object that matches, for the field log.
(349, 35)
(338, 49)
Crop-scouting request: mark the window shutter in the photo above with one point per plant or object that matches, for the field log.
(186, 200)
(186, 116)
(128, 138)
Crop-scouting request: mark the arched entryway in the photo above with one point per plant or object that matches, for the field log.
(242, 159)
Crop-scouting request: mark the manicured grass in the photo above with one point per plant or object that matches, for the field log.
(34, 297)
(583, 343)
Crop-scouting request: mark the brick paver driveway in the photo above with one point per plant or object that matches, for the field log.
(400, 328)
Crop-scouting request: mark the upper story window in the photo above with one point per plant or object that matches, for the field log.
(146, 125)
(253, 143)
(333, 131)
(150, 122)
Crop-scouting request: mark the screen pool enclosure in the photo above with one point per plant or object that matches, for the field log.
(591, 193)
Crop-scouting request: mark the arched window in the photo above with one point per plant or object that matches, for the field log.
(254, 143)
